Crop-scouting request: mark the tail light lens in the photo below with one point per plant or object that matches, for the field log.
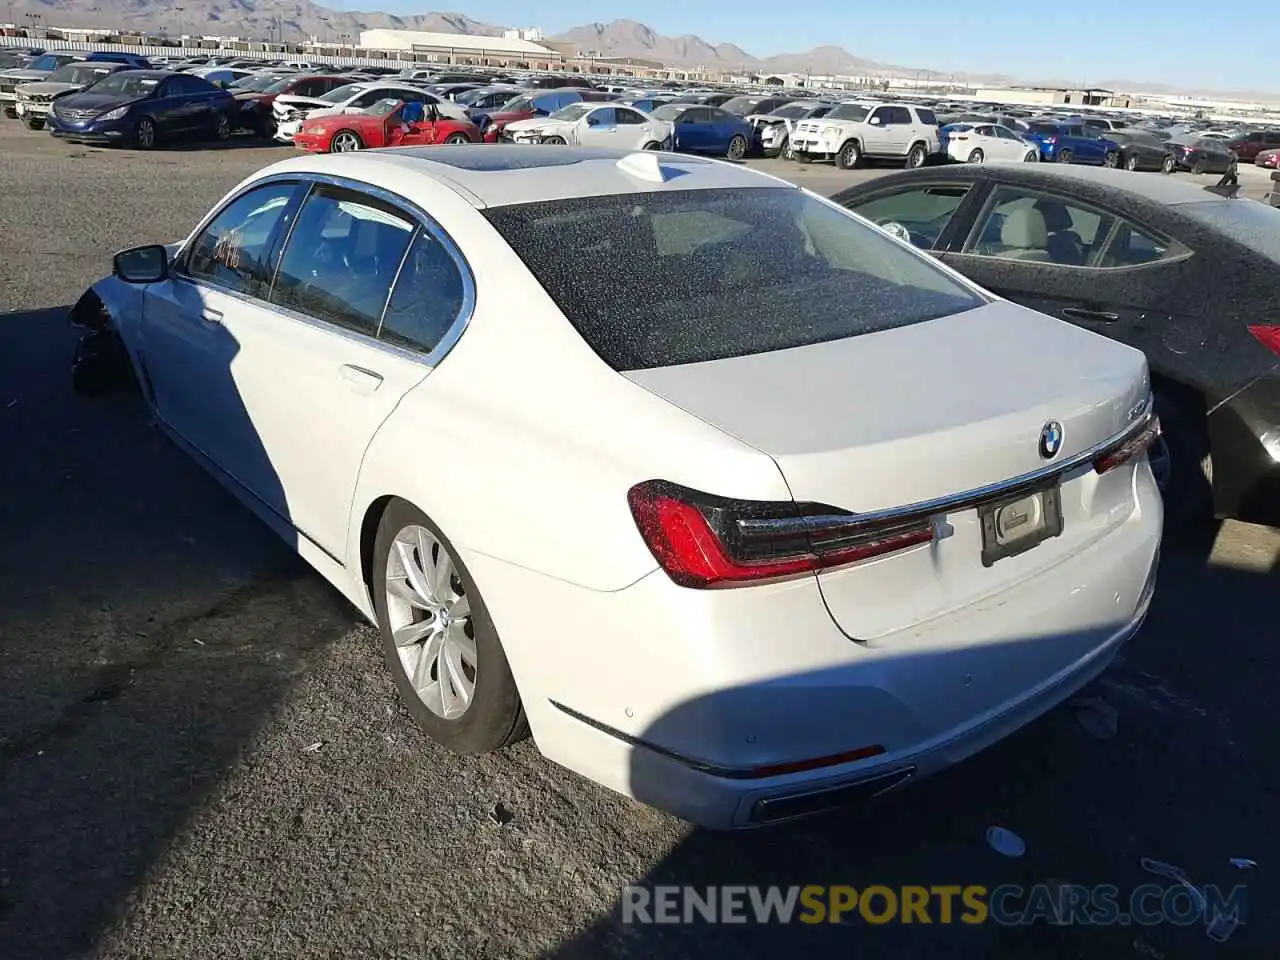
(1136, 444)
(705, 541)
(1051, 140)
(1269, 335)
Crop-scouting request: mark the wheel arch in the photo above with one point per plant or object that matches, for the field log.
(368, 537)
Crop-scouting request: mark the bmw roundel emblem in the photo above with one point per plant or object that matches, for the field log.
(1050, 439)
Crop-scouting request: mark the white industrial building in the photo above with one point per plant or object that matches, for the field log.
(463, 48)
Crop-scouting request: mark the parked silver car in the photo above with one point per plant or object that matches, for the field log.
(38, 69)
(35, 100)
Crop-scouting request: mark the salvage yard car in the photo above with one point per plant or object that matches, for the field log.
(35, 99)
(739, 565)
(1184, 273)
(596, 125)
(883, 131)
(388, 123)
(38, 69)
(143, 109)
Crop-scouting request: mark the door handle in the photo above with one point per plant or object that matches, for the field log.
(1094, 316)
(360, 376)
(211, 316)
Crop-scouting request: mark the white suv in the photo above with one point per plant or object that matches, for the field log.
(853, 130)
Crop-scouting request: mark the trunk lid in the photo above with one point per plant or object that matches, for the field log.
(917, 413)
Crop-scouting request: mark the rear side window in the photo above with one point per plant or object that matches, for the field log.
(927, 116)
(428, 296)
(341, 259)
(698, 275)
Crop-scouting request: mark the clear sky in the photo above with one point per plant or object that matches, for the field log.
(1201, 45)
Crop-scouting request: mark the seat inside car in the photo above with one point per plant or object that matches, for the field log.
(1025, 235)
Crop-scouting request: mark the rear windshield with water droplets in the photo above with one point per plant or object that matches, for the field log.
(666, 278)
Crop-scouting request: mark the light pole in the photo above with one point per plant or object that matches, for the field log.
(181, 33)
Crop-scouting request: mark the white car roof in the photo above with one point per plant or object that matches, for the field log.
(505, 174)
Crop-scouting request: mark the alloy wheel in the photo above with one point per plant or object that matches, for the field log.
(146, 134)
(430, 618)
(346, 143)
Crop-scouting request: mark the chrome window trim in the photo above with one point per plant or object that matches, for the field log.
(952, 503)
(415, 214)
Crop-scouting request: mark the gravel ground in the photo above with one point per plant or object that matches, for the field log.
(167, 671)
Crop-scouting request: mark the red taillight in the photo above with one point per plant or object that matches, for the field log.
(704, 541)
(1050, 140)
(1125, 451)
(1268, 334)
(959, 136)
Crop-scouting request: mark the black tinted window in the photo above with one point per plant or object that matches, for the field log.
(427, 298)
(707, 274)
(341, 259)
(628, 116)
(233, 251)
(926, 116)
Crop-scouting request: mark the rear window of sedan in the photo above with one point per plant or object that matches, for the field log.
(661, 279)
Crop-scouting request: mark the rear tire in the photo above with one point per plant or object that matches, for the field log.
(1065, 156)
(976, 156)
(1168, 164)
(1111, 160)
(917, 156)
(1198, 167)
(1033, 156)
(849, 156)
(222, 127)
(652, 145)
(456, 138)
(493, 717)
(1181, 462)
(737, 147)
(1131, 163)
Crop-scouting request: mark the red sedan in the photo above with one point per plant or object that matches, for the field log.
(385, 124)
(1268, 158)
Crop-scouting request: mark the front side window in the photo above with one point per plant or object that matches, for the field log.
(428, 296)
(699, 275)
(341, 259)
(1026, 225)
(924, 211)
(234, 249)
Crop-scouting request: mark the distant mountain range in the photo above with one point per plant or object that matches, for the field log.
(294, 19)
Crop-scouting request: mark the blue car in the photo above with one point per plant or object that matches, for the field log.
(1072, 143)
(143, 108)
(702, 129)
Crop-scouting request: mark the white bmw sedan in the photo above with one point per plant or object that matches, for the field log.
(741, 506)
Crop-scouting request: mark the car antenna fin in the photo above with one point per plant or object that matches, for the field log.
(645, 165)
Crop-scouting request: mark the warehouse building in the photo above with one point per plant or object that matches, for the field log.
(460, 48)
(1038, 96)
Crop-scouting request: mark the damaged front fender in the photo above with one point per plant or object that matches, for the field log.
(101, 363)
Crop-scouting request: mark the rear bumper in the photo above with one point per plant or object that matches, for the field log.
(679, 698)
(1244, 436)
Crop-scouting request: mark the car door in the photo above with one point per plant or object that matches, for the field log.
(311, 368)
(1008, 144)
(1071, 260)
(188, 352)
(693, 129)
(877, 137)
(201, 100)
(599, 128)
(171, 111)
(634, 131)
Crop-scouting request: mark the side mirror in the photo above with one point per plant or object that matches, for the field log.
(874, 121)
(149, 264)
(592, 122)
